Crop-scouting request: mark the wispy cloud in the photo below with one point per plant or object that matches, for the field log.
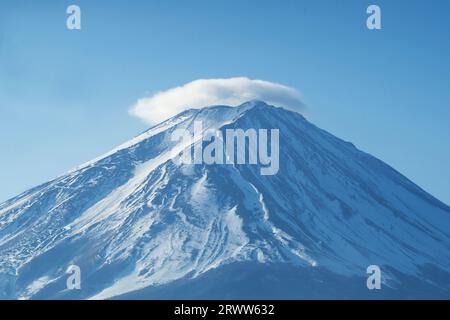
(206, 92)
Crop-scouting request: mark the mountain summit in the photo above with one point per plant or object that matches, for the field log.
(140, 225)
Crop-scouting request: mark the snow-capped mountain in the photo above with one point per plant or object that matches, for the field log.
(139, 225)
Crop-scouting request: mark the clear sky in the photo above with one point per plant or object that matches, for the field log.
(65, 95)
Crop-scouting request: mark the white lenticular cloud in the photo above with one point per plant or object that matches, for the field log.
(206, 92)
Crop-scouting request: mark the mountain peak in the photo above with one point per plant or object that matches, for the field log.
(255, 104)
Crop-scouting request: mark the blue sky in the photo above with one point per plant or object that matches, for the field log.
(65, 95)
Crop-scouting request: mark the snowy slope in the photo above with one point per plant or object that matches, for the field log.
(133, 220)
